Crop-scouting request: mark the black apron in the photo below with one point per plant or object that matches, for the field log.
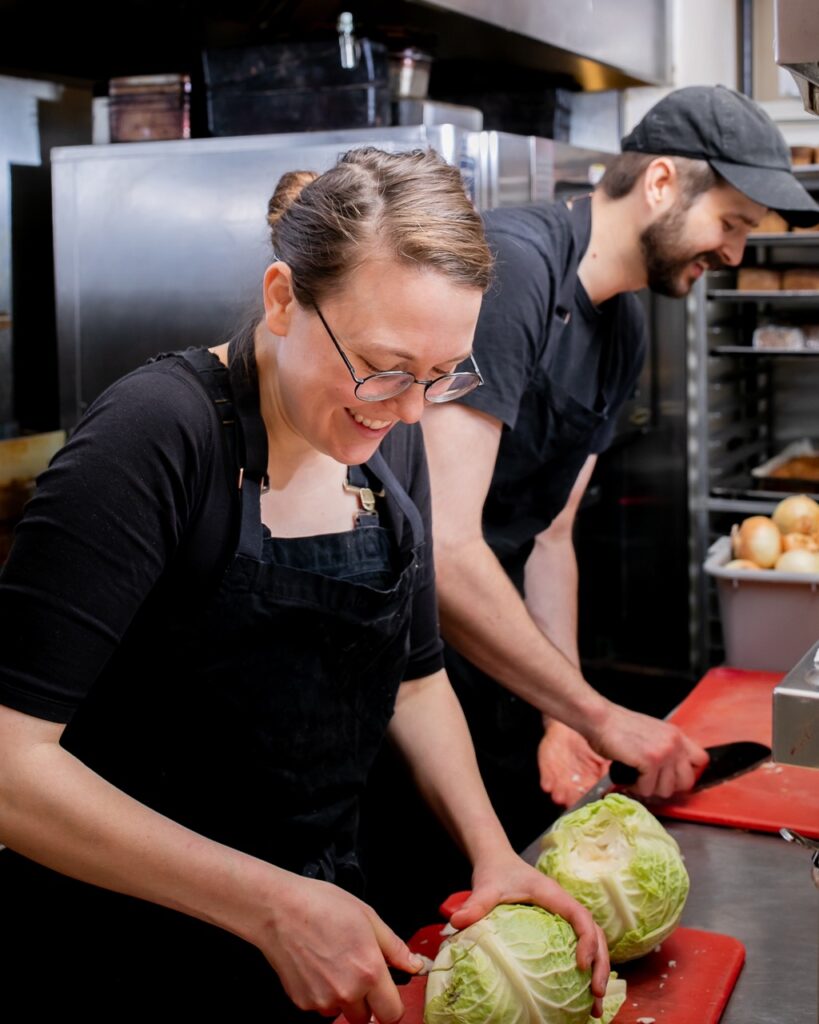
(279, 693)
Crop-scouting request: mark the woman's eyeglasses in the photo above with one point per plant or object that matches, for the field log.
(388, 383)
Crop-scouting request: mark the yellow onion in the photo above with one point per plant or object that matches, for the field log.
(798, 560)
(758, 540)
(740, 563)
(797, 514)
(799, 541)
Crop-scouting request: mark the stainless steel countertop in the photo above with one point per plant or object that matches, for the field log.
(757, 888)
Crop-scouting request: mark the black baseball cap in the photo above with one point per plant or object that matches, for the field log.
(738, 140)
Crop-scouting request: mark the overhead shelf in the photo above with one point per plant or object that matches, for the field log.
(748, 350)
(785, 238)
(808, 174)
(733, 295)
(742, 489)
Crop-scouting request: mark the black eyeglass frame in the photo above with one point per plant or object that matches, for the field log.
(477, 376)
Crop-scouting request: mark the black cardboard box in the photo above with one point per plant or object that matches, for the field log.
(293, 87)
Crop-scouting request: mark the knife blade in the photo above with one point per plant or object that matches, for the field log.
(727, 761)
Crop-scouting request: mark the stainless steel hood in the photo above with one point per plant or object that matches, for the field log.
(796, 46)
(630, 36)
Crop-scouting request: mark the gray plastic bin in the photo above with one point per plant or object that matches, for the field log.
(769, 618)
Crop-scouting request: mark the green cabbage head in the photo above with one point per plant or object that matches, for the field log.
(616, 859)
(515, 966)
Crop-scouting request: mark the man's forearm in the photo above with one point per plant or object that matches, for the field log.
(551, 591)
(484, 617)
(551, 573)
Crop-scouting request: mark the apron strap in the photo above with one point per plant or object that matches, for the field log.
(568, 287)
(230, 404)
(396, 492)
(213, 377)
(357, 477)
(579, 242)
(245, 385)
(253, 479)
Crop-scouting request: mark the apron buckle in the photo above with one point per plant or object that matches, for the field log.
(563, 314)
(264, 482)
(366, 495)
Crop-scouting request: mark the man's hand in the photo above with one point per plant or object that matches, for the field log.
(568, 765)
(506, 878)
(668, 761)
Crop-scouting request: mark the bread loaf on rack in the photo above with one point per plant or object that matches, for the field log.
(771, 224)
(800, 279)
(758, 279)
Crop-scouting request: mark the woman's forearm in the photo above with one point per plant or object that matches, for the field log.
(430, 730)
(329, 949)
(56, 811)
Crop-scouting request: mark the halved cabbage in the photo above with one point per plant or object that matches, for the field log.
(616, 859)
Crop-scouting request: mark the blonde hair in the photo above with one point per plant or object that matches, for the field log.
(411, 207)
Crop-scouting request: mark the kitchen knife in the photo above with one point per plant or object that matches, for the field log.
(727, 761)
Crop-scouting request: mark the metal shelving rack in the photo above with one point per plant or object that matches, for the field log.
(744, 405)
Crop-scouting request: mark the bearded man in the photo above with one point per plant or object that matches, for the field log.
(560, 343)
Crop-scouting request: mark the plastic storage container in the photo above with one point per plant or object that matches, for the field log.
(769, 618)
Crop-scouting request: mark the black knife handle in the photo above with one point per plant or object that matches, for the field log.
(623, 774)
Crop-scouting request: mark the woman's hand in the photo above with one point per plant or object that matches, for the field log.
(331, 953)
(506, 878)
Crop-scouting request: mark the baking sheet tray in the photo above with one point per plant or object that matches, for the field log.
(795, 485)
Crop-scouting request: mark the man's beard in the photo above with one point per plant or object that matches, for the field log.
(665, 258)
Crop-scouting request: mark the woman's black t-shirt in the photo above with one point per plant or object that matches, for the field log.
(142, 500)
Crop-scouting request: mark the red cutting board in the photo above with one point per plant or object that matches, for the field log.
(687, 981)
(735, 704)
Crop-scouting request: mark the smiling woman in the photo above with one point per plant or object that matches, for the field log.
(221, 599)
